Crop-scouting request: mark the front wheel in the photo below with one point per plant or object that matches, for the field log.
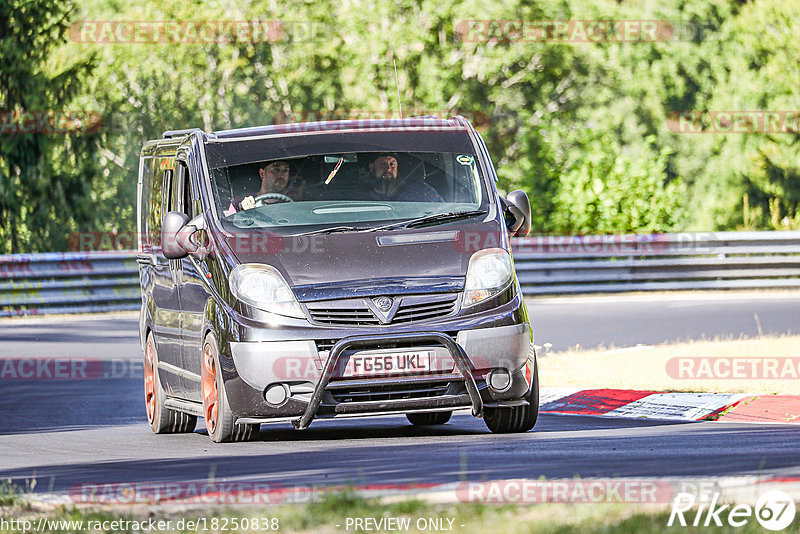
(516, 418)
(219, 418)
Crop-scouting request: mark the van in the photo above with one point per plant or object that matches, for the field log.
(331, 269)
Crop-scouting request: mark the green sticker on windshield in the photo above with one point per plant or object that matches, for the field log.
(464, 160)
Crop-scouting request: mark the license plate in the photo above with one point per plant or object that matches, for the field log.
(388, 363)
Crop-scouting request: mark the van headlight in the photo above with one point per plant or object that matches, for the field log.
(263, 287)
(490, 272)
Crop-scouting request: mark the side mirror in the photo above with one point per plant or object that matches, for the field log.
(174, 222)
(518, 207)
(180, 236)
(193, 239)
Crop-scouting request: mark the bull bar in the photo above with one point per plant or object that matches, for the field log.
(355, 342)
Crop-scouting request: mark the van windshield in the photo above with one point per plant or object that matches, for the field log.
(347, 190)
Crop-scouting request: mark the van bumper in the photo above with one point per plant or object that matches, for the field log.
(291, 371)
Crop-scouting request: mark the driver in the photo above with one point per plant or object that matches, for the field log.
(274, 179)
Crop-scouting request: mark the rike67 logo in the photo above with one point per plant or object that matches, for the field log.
(774, 510)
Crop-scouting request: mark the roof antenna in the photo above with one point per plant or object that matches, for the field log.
(397, 81)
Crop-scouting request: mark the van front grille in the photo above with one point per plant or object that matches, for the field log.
(422, 311)
(342, 313)
(361, 312)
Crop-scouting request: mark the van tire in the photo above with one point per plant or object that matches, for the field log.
(428, 418)
(219, 419)
(516, 418)
(162, 420)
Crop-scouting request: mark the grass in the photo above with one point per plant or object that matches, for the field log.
(9, 494)
(330, 514)
(645, 368)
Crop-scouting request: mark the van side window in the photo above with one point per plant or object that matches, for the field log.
(168, 196)
(143, 215)
(159, 188)
(184, 191)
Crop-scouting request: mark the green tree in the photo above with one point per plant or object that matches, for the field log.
(605, 191)
(582, 127)
(39, 202)
(763, 73)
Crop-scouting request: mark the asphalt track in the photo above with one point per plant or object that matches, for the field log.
(64, 432)
(625, 321)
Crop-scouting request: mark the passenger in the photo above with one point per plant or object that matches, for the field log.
(386, 185)
(274, 179)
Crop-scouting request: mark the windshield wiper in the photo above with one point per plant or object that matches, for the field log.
(334, 229)
(437, 217)
(419, 221)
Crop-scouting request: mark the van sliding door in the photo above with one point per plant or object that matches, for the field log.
(166, 304)
(192, 292)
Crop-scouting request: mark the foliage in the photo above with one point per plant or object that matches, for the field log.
(45, 179)
(9, 493)
(605, 191)
(764, 74)
(582, 127)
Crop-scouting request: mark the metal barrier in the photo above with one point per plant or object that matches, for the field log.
(73, 282)
(705, 260)
(68, 282)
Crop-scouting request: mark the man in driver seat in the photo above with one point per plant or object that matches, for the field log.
(274, 179)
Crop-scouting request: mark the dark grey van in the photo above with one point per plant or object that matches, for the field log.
(334, 269)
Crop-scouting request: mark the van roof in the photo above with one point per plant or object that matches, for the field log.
(429, 121)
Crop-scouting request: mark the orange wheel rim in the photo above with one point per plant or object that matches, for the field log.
(149, 381)
(209, 386)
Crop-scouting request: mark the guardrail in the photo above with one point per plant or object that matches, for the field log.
(705, 260)
(73, 282)
(68, 282)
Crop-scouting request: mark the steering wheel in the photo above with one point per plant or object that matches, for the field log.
(259, 200)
